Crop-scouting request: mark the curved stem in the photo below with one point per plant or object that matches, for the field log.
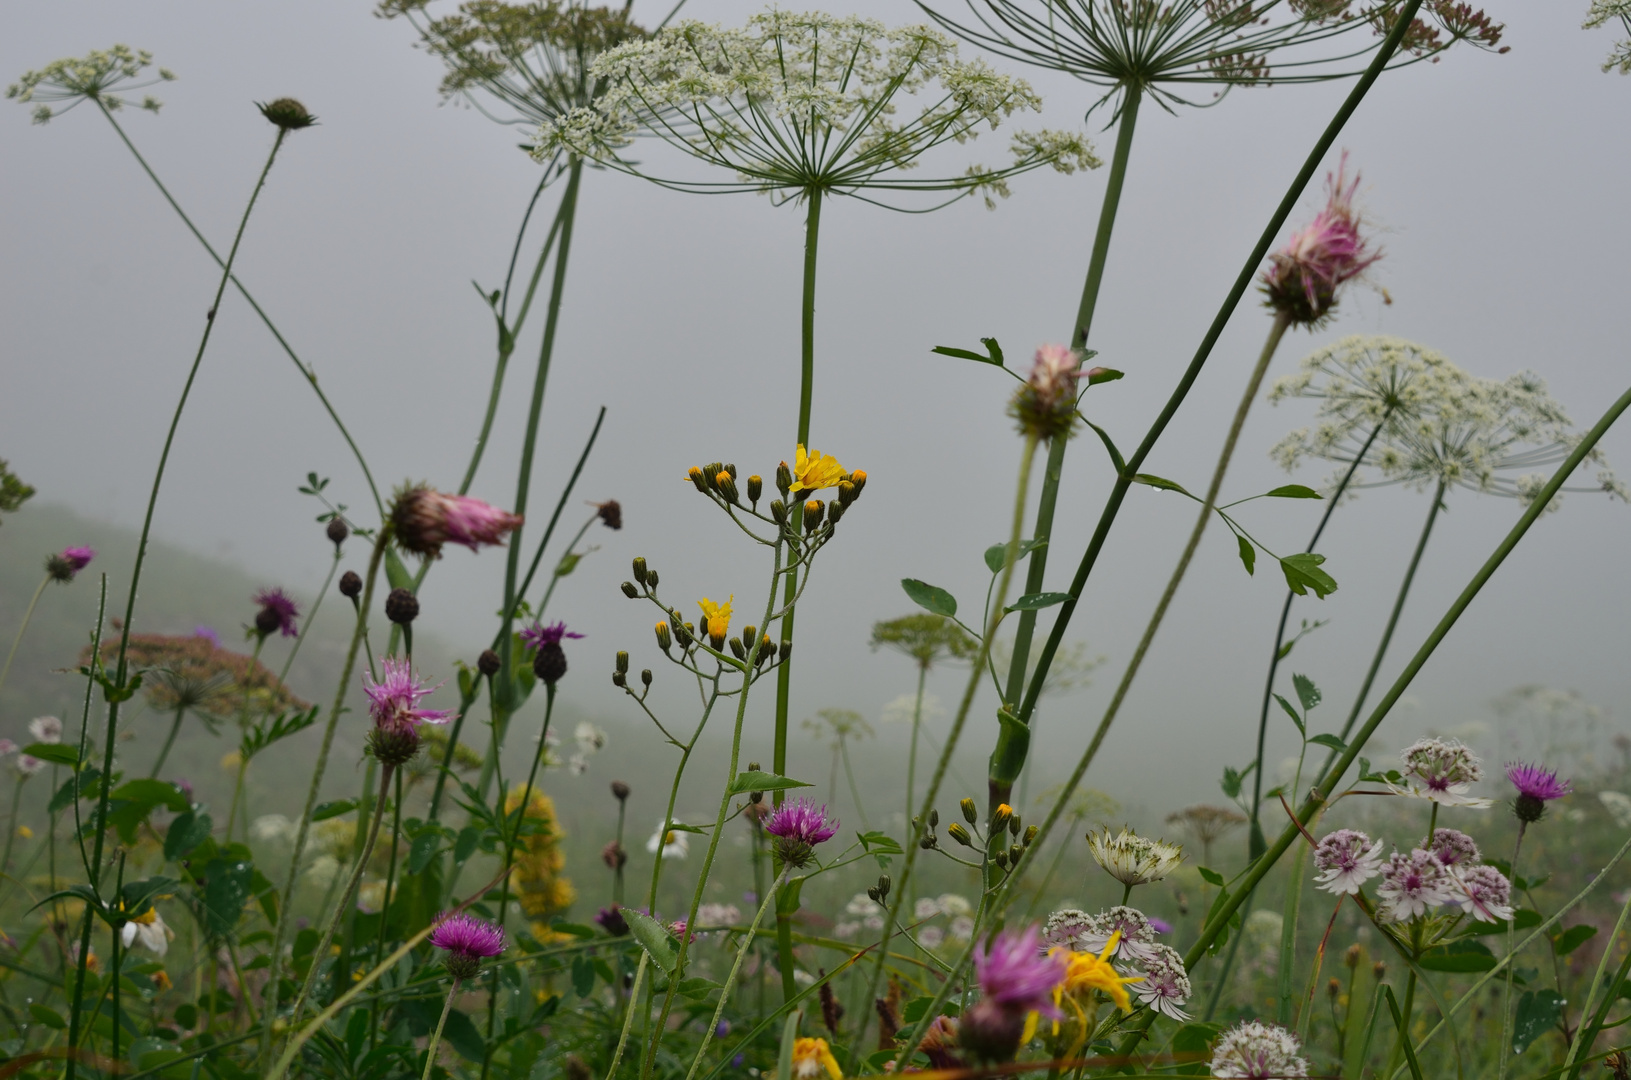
(628, 1015)
(169, 741)
(243, 725)
(436, 1036)
(11, 822)
(385, 900)
(911, 757)
(77, 999)
(736, 968)
(28, 614)
(311, 617)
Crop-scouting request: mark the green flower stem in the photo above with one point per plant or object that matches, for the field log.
(976, 675)
(11, 822)
(169, 741)
(243, 724)
(911, 757)
(503, 688)
(543, 605)
(1396, 1055)
(1256, 842)
(736, 969)
(436, 1036)
(1038, 558)
(628, 1015)
(1288, 933)
(28, 614)
(617, 873)
(1511, 941)
(84, 749)
(385, 901)
(311, 617)
(309, 373)
(1586, 1034)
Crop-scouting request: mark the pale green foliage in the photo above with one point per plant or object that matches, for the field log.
(1619, 57)
(93, 77)
(808, 102)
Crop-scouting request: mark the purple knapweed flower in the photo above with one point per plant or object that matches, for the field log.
(1454, 848)
(394, 705)
(1016, 979)
(1537, 786)
(549, 661)
(1411, 884)
(208, 634)
(538, 635)
(1484, 893)
(1045, 405)
(468, 941)
(278, 611)
(1346, 859)
(1303, 277)
(425, 519)
(64, 565)
(798, 826)
(612, 921)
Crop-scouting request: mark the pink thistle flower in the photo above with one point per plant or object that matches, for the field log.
(1303, 277)
(1016, 980)
(425, 519)
(1346, 859)
(799, 826)
(394, 702)
(63, 566)
(538, 635)
(468, 941)
(278, 611)
(1537, 786)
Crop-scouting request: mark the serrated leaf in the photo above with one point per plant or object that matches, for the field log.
(763, 781)
(651, 937)
(326, 810)
(1248, 554)
(1307, 692)
(1150, 480)
(1038, 601)
(1293, 491)
(1303, 573)
(930, 597)
(1331, 741)
(1292, 712)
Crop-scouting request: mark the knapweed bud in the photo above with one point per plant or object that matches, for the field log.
(999, 818)
(623, 662)
(550, 663)
(971, 813)
(814, 511)
(266, 621)
(698, 479)
(756, 488)
(424, 519)
(393, 744)
(726, 482)
(956, 831)
(1303, 278)
(614, 856)
(640, 569)
(1030, 836)
(350, 584)
(778, 512)
(846, 492)
(337, 531)
(629, 590)
(287, 113)
(488, 663)
(620, 790)
(401, 607)
(784, 479)
(645, 677)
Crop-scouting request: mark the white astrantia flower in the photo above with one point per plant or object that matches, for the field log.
(1253, 1050)
(674, 845)
(931, 937)
(1346, 859)
(954, 905)
(1065, 928)
(1131, 929)
(1412, 883)
(148, 931)
(28, 764)
(802, 102)
(45, 729)
(1454, 848)
(925, 908)
(1483, 892)
(961, 928)
(1441, 771)
(1132, 859)
(1165, 986)
(861, 905)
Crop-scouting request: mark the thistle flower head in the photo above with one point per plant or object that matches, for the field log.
(1132, 859)
(1163, 983)
(278, 612)
(538, 635)
(1484, 893)
(1257, 1051)
(1412, 883)
(1303, 278)
(1015, 975)
(101, 76)
(1537, 786)
(1346, 859)
(468, 941)
(1441, 770)
(394, 705)
(287, 114)
(425, 519)
(798, 825)
(64, 565)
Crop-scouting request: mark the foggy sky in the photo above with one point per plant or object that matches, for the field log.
(1498, 180)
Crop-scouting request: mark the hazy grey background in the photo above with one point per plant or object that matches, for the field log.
(1499, 182)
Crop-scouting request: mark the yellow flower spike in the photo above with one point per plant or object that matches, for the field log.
(812, 471)
(813, 1056)
(717, 618)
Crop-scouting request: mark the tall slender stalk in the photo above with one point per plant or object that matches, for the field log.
(28, 614)
(436, 1036)
(1511, 941)
(911, 757)
(736, 969)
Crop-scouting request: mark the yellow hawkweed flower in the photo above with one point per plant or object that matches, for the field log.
(1085, 971)
(812, 471)
(25, 832)
(717, 618)
(161, 981)
(811, 1057)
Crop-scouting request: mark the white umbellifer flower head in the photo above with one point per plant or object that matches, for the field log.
(672, 846)
(45, 729)
(961, 928)
(148, 931)
(1410, 415)
(590, 738)
(1166, 982)
(1135, 937)
(271, 827)
(1601, 13)
(1441, 770)
(1618, 805)
(931, 937)
(861, 905)
(716, 915)
(925, 908)
(94, 77)
(806, 102)
(1132, 859)
(1411, 884)
(903, 708)
(1346, 859)
(1483, 892)
(953, 904)
(1253, 1050)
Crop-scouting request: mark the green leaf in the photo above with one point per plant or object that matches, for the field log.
(1038, 601)
(1211, 877)
(1153, 481)
(326, 810)
(1462, 955)
(49, 1017)
(930, 597)
(55, 753)
(577, 930)
(993, 352)
(916, 1009)
(1307, 692)
(465, 845)
(880, 843)
(1538, 1013)
(1109, 444)
(396, 572)
(1193, 1043)
(286, 724)
(583, 976)
(424, 849)
(1303, 573)
(1104, 375)
(996, 557)
(1248, 554)
(1522, 919)
(790, 897)
(153, 793)
(186, 832)
(697, 988)
(1572, 938)
(1331, 741)
(651, 936)
(569, 562)
(762, 781)
(1404, 1032)
(1293, 491)
(1291, 712)
(226, 891)
(784, 1056)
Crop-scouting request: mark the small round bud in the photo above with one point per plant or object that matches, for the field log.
(1529, 808)
(1334, 988)
(665, 640)
(645, 677)
(619, 679)
(767, 649)
(926, 843)
(401, 607)
(350, 584)
(1378, 970)
(750, 637)
(1351, 958)
(1001, 859)
(971, 814)
(753, 766)
(550, 663)
(488, 663)
(710, 475)
(873, 895)
(737, 650)
(785, 649)
(337, 531)
(784, 479)
(956, 831)
(884, 884)
(1030, 836)
(288, 114)
(614, 856)
(620, 790)
(1015, 853)
(835, 511)
(623, 661)
(640, 569)
(846, 493)
(756, 487)
(629, 590)
(934, 818)
(393, 745)
(267, 621)
(814, 511)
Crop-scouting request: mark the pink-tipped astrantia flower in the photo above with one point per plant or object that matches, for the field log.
(1016, 979)
(1454, 848)
(798, 826)
(1046, 404)
(1131, 929)
(1441, 771)
(63, 566)
(468, 941)
(1165, 986)
(1411, 884)
(1346, 859)
(1253, 1050)
(1484, 893)
(425, 519)
(1303, 277)
(278, 612)
(1537, 786)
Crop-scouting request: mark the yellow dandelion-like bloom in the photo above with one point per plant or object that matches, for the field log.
(541, 889)
(717, 617)
(812, 1057)
(812, 471)
(1085, 971)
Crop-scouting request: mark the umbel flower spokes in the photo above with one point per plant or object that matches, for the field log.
(103, 76)
(799, 103)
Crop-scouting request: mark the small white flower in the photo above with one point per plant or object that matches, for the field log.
(1441, 771)
(953, 904)
(1253, 1050)
(45, 729)
(1346, 860)
(1618, 806)
(1484, 893)
(270, 827)
(846, 930)
(1132, 859)
(925, 908)
(962, 928)
(148, 931)
(1065, 928)
(577, 764)
(931, 937)
(1166, 985)
(323, 870)
(1411, 884)
(28, 764)
(590, 738)
(861, 904)
(717, 915)
(673, 846)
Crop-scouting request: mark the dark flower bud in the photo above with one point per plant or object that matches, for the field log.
(267, 621)
(1378, 970)
(884, 884)
(337, 531)
(613, 855)
(287, 113)
(610, 513)
(401, 606)
(971, 814)
(956, 831)
(488, 662)
(726, 482)
(778, 512)
(1001, 859)
(1351, 958)
(1015, 853)
(846, 493)
(784, 479)
(394, 744)
(629, 590)
(785, 649)
(750, 637)
(767, 649)
(1528, 808)
(710, 475)
(814, 511)
(934, 818)
(737, 650)
(611, 920)
(640, 569)
(1030, 836)
(665, 639)
(834, 512)
(651, 579)
(550, 663)
(645, 676)
(698, 479)
(753, 766)
(620, 790)
(1334, 988)
(873, 895)
(927, 843)
(1014, 825)
(619, 679)
(756, 488)
(350, 584)
(989, 1032)
(623, 661)
(858, 478)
